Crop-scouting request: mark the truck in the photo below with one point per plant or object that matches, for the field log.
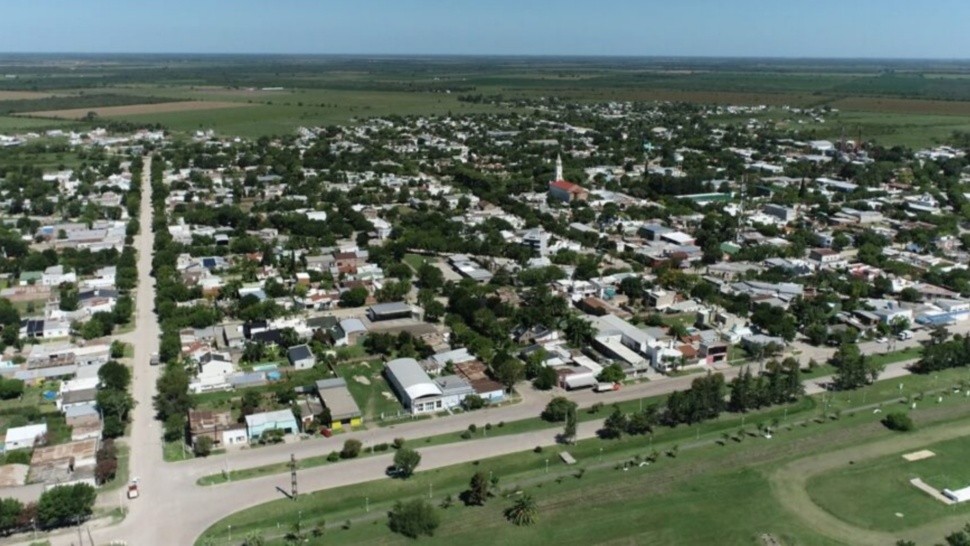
(155, 360)
(905, 334)
(606, 387)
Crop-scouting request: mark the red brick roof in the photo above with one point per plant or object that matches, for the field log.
(566, 186)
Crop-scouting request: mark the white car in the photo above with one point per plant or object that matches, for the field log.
(882, 340)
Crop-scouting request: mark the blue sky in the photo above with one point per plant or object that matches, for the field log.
(767, 28)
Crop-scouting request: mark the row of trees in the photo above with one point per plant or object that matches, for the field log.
(113, 399)
(59, 506)
(780, 383)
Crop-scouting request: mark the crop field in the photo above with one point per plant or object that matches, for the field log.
(138, 109)
(22, 95)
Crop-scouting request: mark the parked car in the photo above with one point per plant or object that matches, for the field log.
(156, 359)
(133, 490)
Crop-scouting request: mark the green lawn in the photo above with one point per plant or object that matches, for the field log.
(885, 481)
(370, 390)
(414, 260)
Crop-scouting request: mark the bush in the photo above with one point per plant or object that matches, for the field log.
(473, 402)
(899, 422)
(473, 428)
(382, 447)
(538, 449)
(351, 449)
(333, 457)
(466, 435)
(11, 388)
(272, 436)
(202, 447)
(398, 443)
(413, 519)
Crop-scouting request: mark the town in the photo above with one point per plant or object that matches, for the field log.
(346, 291)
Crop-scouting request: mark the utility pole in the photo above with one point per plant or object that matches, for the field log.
(293, 476)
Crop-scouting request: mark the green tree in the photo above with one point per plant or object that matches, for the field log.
(355, 297)
(546, 379)
(114, 375)
(853, 369)
(406, 460)
(578, 331)
(615, 425)
(10, 510)
(202, 446)
(65, 505)
(413, 518)
(523, 511)
(557, 409)
(478, 490)
(611, 374)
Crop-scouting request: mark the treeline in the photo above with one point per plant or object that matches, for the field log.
(60, 506)
(707, 398)
(99, 100)
(942, 354)
(172, 400)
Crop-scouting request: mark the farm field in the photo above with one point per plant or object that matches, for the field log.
(137, 109)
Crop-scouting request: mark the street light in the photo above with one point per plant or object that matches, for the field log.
(367, 504)
(230, 533)
(547, 466)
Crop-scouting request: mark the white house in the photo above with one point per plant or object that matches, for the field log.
(23, 437)
(55, 275)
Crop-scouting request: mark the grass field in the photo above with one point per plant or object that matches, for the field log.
(885, 481)
(374, 397)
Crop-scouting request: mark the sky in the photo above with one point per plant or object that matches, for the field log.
(706, 28)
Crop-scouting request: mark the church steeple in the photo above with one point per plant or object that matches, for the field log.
(558, 168)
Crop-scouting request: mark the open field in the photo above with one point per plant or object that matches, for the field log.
(885, 482)
(137, 109)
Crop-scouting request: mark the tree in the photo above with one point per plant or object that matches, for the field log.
(611, 374)
(854, 370)
(351, 449)
(105, 470)
(406, 460)
(355, 297)
(173, 396)
(114, 375)
(202, 446)
(413, 518)
(11, 388)
(546, 379)
(430, 277)
(615, 424)
(478, 490)
(10, 510)
(508, 371)
(578, 331)
(523, 511)
(569, 428)
(557, 409)
(117, 349)
(65, 505)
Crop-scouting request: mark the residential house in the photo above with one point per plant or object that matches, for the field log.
(344, 411)
(258, 423)
(301, 357)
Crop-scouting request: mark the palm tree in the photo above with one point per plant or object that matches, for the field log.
(523, 511)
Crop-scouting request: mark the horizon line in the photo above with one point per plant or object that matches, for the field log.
(482, 55)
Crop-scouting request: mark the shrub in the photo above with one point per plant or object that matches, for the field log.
(899, 422)
(202, 447)
(473, 428)
(413, 519)
(351, 449)
(466, 435)
(382, 447)
(538, 449)
(398, 443)
(557, 409)
(473, 402)
(333, 457)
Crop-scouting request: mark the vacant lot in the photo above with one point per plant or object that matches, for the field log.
(138, 109)
(903, 106)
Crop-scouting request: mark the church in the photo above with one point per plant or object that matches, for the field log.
(564, 191)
